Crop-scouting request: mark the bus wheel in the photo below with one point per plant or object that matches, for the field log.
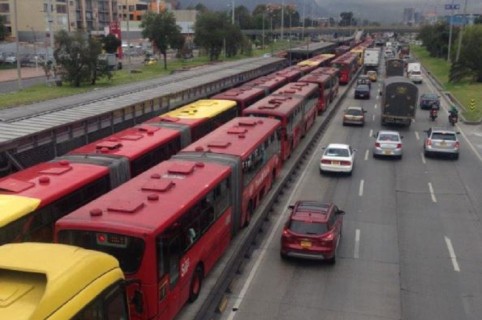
(196, 282)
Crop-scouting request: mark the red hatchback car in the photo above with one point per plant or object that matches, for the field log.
(313, 231)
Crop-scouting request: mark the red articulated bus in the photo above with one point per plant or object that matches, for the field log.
(335, 79)
(347, 64)
(290, 73)
(288, 109)
(310, 94)
(167, 228)
(169, 225)
(250, 144)
(32, 200)
(244, 96)
(325, 88)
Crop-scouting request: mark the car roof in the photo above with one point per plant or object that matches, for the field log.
(388, 132)
(362, 85)
(355, 107)
(430, 95)
(338, 145)
(442, 129)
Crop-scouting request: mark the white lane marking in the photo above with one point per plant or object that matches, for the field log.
(452, 254)
(357, 244)
(423, 158)
(373, 118)
(417, 135)
(432, 194)
(366, 154)
(470, 144)
(360, 190)
(264, 249)
(370, 133)
(376, 105)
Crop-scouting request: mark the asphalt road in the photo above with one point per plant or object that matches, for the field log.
(411, 238)
(12, 86)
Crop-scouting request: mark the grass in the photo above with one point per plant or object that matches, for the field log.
(42, 92)
(465, 91)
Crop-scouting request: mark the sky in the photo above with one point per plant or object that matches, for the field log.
(386, 11)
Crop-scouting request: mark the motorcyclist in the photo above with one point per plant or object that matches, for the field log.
(453, 113)
(433, 111)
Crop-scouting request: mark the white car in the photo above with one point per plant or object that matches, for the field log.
(337, 157)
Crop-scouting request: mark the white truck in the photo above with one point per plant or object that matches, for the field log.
(414, 72)
(371, 59)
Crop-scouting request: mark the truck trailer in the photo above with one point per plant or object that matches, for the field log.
(371, 59)
(399, 101)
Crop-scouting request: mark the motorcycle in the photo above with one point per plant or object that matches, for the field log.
(453, 118)
(433, 114)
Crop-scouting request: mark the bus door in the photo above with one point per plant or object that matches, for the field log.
(170, 251)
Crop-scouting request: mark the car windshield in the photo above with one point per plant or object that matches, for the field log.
(443, 136)
(308, 228)
(337, 152)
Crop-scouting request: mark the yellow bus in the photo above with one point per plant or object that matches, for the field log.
(40, 281)
(359, 51)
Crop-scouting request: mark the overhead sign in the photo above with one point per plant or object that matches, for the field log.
(452, 6)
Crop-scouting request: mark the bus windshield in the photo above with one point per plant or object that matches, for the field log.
(127, 250)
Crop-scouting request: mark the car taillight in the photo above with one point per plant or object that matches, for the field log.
(325, 161)
(429, 142)
(399, 146)
(377, 144)
(456, 145)
(345, 163)
(327, 239)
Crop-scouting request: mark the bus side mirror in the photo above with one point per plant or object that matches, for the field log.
(380, 93)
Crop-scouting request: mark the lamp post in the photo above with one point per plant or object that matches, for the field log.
(17, 55)
(461, 33)
(450, 30)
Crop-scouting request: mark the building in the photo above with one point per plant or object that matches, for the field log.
(409, 16)
(36, 21)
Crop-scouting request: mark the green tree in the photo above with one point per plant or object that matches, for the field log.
(162, 30)
(243, 18)
(77, 57)
(469, 64)
(435, 38)
(213, 31)
(346, 19)
(3, 29)
(111, 43)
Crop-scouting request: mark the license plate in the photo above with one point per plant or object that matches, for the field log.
(305, 244)
(387, 152)
(336, 163)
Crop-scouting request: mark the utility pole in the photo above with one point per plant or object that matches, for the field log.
(232, 12)
(461, 33)
(282, 18)
(450, 30)
(51, 33)
(17, 53)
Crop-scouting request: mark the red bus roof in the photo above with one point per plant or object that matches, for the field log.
(302, 89)
(239, 137)
(345, 58)
(149, 202)
(243, 93)
(326, 70)
(49, 181)
(274, 106)
(315, 78)
(291, 73)
(131, 143)
(270, 82)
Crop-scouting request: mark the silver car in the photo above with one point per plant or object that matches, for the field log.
(441, 141)
(388, 143)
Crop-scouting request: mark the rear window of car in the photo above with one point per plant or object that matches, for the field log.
(443, 136)
(337, 152)
(388, 137)
(354, 112)
(308, 228)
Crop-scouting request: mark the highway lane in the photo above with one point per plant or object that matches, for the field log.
(411, 246)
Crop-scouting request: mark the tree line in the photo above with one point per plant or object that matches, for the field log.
(465, 61)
